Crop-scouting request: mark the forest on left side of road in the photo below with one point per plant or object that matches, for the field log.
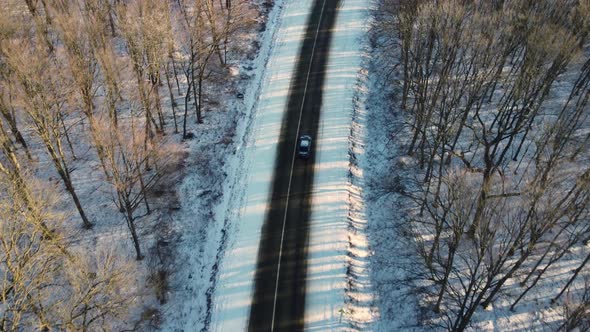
(98, 101)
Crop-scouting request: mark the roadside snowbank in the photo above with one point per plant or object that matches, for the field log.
(339, 294)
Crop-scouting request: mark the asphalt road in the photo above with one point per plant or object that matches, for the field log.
(279, 287)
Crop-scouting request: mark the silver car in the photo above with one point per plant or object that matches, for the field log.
(304, 147)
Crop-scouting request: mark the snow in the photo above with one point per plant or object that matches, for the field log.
(396, 284)
(360, 260)
(339, 295)
(221, 195)
(390, 255)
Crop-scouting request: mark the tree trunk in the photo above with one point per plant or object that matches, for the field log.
(200, 101)
(65, 129)
(186, 99)
(70, 188)
(172, 100)
(175, 74)
(132, 230)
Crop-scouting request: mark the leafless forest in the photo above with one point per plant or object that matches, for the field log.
(494, 97)
(97, 96)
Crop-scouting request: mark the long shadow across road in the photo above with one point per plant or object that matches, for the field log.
(279, 286)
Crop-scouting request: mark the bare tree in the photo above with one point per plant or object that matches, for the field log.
(97, 295)
(490, 204)
(28, 264)
(126, 171)
(577, 311)
(198, 46)
(43, 287)
(9, 117)
(144, 27)
(42, 98)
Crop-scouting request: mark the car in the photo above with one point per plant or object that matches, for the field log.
(304, 147)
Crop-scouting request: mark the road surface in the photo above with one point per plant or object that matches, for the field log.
(279, 285)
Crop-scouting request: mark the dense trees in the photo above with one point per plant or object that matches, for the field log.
(39, 95)
(62, 67)
(80, 92)
(498, 138)
(45, 285)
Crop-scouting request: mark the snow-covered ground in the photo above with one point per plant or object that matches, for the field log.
(391, 256)
(389, 172)
(339, 294)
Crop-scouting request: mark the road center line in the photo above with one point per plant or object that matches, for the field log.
(274, 306)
